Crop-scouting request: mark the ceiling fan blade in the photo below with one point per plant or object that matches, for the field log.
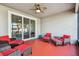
(32, 9)
(44, 8)
(42, 11)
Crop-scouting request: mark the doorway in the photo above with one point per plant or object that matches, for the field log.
(21, 27)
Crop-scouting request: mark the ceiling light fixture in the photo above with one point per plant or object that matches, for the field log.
(38, 9)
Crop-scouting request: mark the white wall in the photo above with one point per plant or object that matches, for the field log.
(4, 19)
(62, 23)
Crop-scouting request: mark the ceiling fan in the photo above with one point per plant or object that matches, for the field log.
(38, 9)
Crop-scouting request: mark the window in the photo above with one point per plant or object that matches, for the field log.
(22, 27)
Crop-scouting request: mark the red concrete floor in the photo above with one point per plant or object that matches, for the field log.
(41, 48)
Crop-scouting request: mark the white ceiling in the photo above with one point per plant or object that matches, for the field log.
(52, 8)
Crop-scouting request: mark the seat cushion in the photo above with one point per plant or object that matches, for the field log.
(66, 36)
(47, 34)
(11, 52)
(4, 38)
(7, 52)
(23, 47)
(16, 42)
(46, 38)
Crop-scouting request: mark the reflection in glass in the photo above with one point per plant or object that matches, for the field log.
(32, 28)
(16, 27)
(26, 28)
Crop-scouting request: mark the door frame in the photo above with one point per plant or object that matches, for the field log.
(77, 18)
(23, 16)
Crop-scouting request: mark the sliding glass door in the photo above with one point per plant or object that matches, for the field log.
(32, 33)
(26, 28)
(16, 27)
(22, 27)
